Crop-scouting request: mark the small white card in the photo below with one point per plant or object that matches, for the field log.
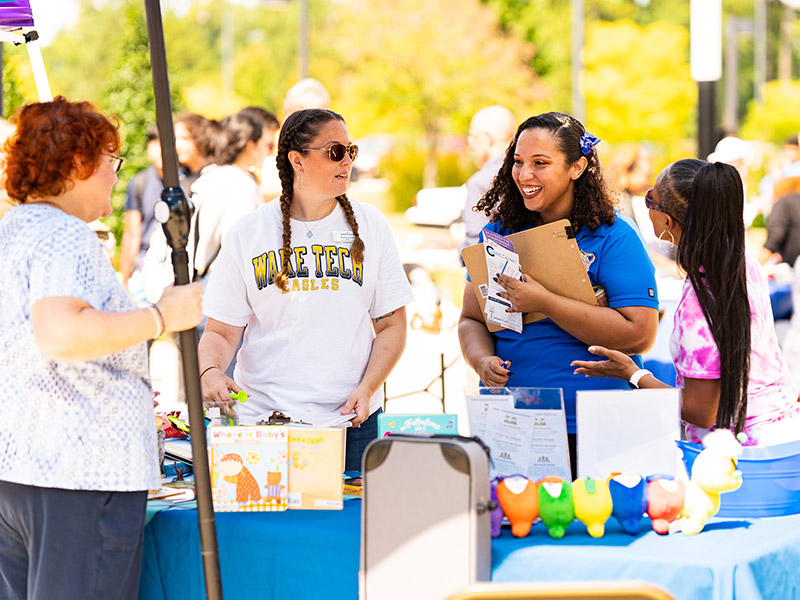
(629, 431)
(344, 237)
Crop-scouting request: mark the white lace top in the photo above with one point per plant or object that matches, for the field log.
(86, 425)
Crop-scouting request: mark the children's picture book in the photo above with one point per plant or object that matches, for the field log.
(248, 468)
(437, 424)
(316, 458)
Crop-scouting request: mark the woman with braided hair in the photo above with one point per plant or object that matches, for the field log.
(314, 281)
(551, 171)
(726, 353)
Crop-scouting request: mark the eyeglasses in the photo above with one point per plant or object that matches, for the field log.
(650, 203)
(116, 164)
(337, 152)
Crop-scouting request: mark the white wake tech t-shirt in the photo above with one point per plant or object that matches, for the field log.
(306, 350)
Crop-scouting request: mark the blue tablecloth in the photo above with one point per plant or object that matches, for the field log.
(315, 554)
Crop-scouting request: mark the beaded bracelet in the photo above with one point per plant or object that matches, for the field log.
(159, 319)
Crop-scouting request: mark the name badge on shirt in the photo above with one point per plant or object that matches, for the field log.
(344, 236)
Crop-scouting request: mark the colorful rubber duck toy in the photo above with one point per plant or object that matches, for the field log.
(518, 499)
(496, 514)
(714, 472)
(629, 496)
(556, 507)
(592, 504)
(665, 498)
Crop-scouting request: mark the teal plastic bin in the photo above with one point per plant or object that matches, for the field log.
(770, 480)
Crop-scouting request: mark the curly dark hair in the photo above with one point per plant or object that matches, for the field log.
(593, 199)
(54, 142)
(298, 132)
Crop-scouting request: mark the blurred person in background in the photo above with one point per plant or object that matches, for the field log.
(785, 164)
(306, 93)
(783, 224)
(631, 170)
(229, 191)
(315, 284)
(273, 125)
(490, 132)
(77, 423)
(196, 141)
(144, 190)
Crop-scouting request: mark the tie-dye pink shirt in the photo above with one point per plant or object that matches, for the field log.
(773, 413)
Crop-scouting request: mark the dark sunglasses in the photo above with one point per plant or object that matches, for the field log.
(649, 202)
(337, 152)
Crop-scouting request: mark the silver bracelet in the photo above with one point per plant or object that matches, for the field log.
(159, 319)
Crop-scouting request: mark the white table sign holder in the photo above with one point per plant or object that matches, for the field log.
(524, 428)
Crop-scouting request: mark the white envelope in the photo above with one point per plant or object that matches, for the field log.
(629, 431)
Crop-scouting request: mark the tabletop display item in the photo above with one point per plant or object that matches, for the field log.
(436, 424)
(770, 480)
(248, 468)
(316, 463)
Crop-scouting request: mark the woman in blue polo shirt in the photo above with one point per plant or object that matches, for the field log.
(551, 171)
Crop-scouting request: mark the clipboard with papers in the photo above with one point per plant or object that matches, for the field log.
(548, 253)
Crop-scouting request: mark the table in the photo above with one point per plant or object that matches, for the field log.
(315, 554)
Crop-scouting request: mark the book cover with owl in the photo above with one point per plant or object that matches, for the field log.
(248, 468)
(316, 464)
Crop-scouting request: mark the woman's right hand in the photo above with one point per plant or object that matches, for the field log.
(181, 306)
(492, 372)
(217, 387)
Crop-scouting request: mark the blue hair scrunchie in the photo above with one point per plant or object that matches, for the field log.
(588, 142)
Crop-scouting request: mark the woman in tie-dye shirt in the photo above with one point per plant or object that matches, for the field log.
(724, 346)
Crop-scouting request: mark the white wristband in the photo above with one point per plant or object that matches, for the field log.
(634, 380)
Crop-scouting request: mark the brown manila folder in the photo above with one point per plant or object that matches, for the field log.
(549, 254)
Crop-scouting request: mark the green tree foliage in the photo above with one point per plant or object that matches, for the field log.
(637, 90)
(13, 96)
(425, 67)
(133, 103)
(83, 57)
(777, 117)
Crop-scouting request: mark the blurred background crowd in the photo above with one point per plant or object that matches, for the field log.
(432, 92)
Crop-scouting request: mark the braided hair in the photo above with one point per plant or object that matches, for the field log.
(593, 202)
(299, 131)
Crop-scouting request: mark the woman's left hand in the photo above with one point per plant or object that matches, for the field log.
(358, 402)
(525, 296)
(618, 365)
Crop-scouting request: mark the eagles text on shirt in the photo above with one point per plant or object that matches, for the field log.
(330, 263)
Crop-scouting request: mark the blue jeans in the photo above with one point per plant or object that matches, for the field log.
(357, 440)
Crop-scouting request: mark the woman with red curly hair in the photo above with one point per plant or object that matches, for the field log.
(76, 422)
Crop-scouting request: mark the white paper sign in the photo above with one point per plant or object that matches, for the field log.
(525, 430)
(629, 431)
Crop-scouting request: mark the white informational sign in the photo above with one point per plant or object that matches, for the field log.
(628, 431)
(500, 260)
(524, 428)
